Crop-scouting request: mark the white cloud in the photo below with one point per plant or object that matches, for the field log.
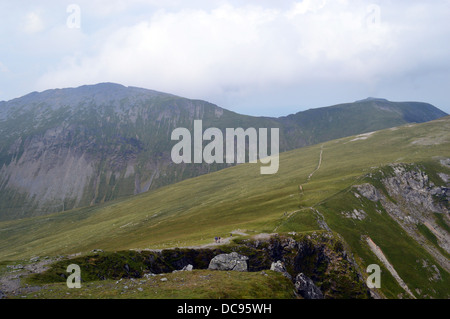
(199, 50)
(306, 6)
(242, 50)
(33, 23)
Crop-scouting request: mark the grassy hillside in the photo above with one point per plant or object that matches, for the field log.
(198, 284)
(194, 211)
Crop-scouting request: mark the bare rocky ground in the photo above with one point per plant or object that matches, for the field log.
(11, 275)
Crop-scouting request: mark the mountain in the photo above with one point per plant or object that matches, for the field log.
(75, 147)
(385, 194)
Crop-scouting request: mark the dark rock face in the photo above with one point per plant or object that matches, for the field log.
(321, 257)
(232, 261)
(306, 287)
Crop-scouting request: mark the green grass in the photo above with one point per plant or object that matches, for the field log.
(428, 234)
(440, 221)
(194, 211)
(196, 284)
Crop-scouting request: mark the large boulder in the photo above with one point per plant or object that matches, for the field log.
(232, 261)
(306, 288)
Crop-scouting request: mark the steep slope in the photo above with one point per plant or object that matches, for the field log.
(75, 147)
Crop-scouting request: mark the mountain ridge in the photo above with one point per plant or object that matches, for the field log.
(73, 147)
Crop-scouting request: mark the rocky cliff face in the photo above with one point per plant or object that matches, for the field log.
(76, 147)
(417, 204)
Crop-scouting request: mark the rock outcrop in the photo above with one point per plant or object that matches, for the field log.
(413, 185)
(319, 256)
(357, 214)
(305, 287)
(413, 200)
(232, 261)
(369, 191)
(279, 267)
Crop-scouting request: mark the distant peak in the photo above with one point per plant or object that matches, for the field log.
(102, 85)
(373, 99)
(111, 84)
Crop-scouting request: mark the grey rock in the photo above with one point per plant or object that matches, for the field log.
(444, 177)
(415, 201)
(369, 191)
(321, 221)
(164, 279)
(279, 267)
(306, 287)
(15, 266)
(445, 162)
(232, 261)
(188, 268)
(436, 275)
(357, 214)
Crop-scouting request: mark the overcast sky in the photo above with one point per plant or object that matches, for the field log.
(251, 56)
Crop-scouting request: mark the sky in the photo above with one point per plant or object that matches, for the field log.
(256, 57)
